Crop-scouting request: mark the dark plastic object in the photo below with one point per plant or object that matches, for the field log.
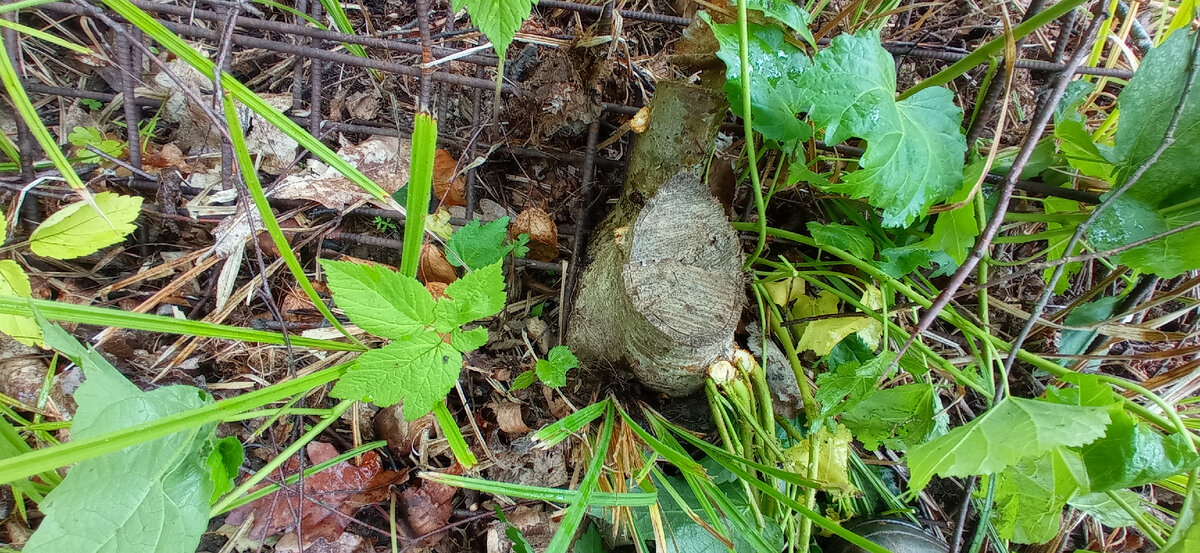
(898, 536)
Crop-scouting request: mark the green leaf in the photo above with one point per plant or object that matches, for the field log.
(915, 147)
(1166, 195)
(1030, 495)
(523, 380)
(1012, 430)
(787, 13)
(1105, 510)
(468, 340)
(78, 229)
(1058, 248)
(553, 369)
(498, 19)
(954, 231)
(852, 383)
(1133, 454)
(478, 245)
(775, 67)
(14, 282)
(589, 542)
(683, 534)
(853, 239)
(379, 300)
(223, 462)
(152, 496)
(1185, 538)
(900, 417)
(419, 370)
(898, 262)
(476, 295)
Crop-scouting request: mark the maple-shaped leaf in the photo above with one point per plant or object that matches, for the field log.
(331, 497)
(378, 300)
(476, 295)
(419, 370)
(915, 147)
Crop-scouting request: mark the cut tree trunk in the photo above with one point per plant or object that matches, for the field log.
(664, 290)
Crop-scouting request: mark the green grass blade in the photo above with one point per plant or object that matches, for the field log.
(23, 4)
(537, 493)
(250, 178)
(294, 12)
(50, 458)
(334, 10)
(101, 316)
(420, 186)
(569, 525)
(563, 429)
(276, 118)
(20, 101)
(42, 35)
(458, 444)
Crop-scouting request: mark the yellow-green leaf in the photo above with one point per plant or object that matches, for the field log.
(79, 229)
(14, 282)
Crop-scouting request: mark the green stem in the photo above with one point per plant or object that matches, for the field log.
(748, 126)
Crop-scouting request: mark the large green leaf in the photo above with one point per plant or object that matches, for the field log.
(1030, 495)
(152, 497)
(841, 389)
(420, 370)
(476, 295)
(1167, 194)
(14, 282)
(1012, 430)
(915, 147)
(499, 20)
(775, 67)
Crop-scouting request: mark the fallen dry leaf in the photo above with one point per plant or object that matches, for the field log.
(543, 233)
(449, 188)
(508, 416)
(330, 497)
(383, 159)
(428, 506)
(433, 266)
(402, 436)
(436, 289)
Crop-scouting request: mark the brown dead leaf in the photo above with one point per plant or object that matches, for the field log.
(168, 156)
(363, 105)
(451, 189)
(437, 289)
(543, 233)
(401, 435)
(508, 416)
(433, 266)
(428, 506)
(330, 497)
(383, 159)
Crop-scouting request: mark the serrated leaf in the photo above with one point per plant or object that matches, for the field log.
(954, 231)
(476, 295)
(900, 261)
(853, 239)
(14, 282)
(775, 67)
(223, 462)
(478, 245)
(915, 147)
(152, 496)
(822, 335)
(419, 370)
(379, 300)
(1030, 496)
(899, 417)
(1012, 430)
(553, 369)
(78, 229)
(468, 340)
(1105, 510)
(497, 19)
(787, 13)
(851, 383)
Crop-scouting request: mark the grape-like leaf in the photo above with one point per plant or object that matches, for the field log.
(1134, 454)
(379, 300)
(775, 67)
(497, 19)
(1012, 430)
(899, 417)
(419, 370)
(850, 384)
(915, 147)
(78, 229)
(152, 496)
(553, 369)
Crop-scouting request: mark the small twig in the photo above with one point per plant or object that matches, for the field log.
(1167, 141)
(1006, 191)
